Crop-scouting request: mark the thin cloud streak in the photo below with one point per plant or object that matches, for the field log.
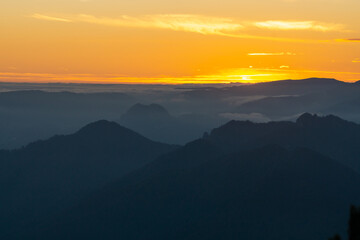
(299, 25)
(49, 18)
(273, 54)
(192, 23)
(349, 40)
(176, 22)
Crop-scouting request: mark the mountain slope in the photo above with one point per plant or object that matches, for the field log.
(328, 135)
(232, 184)
(47, 176)
(26, 116)
(269, 193)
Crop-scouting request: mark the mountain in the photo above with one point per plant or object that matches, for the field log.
(275, 88)
(294, 97)
(329, 135)
(26, 116)
(155, 122)
(350, 108)
(266, 193)
(46, 177)
(243, 180)
(49, 109)
(232, 184)
(152, 121)
(280, 106)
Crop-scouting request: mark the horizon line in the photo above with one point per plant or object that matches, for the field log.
(172, 84)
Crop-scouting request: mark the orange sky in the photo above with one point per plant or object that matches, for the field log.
(188, 41)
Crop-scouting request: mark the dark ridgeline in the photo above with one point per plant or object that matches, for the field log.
(330, 135)
(46, 177)
(26, 116)
(280, 180)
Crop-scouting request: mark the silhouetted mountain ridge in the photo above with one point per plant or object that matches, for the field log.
(26, 116)
(313, 81)
(328, 135)
(106, 129)
(308, 119)
(225, 197)
(48, 176)
(240, 178)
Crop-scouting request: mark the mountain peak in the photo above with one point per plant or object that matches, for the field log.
(321, 79)
(307, 119)
(101, 124)
(105, 128)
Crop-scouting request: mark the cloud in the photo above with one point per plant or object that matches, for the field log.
(49, 18)
(199, 24)
(348, 40)
(284, 67)
(254, 117)
(357, 60)
(299, 25)
(272, 54)
(176, 22)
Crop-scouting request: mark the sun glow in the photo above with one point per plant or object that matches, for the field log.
(238, 75)
(165, 42)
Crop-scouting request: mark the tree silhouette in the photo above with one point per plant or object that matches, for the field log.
(336, 237)
(354, 223)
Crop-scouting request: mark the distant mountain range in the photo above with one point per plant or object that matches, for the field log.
(292, 176)
(243, 180)
(28, 114)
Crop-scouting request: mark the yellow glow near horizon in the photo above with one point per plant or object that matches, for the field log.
(245, 75)
(192, 41)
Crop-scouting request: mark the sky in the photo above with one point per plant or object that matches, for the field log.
(170, 42)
